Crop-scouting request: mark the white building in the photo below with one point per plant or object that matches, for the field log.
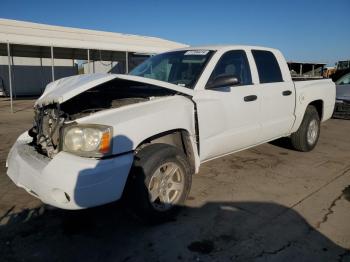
(32, 55)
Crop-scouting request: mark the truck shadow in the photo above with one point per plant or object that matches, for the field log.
(283, 142)
(219, 231)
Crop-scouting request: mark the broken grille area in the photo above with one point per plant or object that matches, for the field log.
(48, 121)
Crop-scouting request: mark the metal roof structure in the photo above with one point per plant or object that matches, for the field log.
(306, 63)
(27, 39)
(306, 69)
(34, 34)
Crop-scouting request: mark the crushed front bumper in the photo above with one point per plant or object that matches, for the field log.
(67, 181)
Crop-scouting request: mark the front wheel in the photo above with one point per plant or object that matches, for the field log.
(159, 184)
(306, 137)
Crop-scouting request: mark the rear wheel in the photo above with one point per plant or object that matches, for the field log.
(159, 184)
(306, 137)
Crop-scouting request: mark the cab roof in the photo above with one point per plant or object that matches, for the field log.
(226, 47)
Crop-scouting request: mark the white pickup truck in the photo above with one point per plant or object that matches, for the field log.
(148, 132)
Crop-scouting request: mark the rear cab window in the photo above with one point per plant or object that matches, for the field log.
(268, 68)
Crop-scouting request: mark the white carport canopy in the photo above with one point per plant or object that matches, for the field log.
(26, 33)
(40, 40)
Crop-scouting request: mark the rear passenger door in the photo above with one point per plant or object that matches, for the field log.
(277, 97)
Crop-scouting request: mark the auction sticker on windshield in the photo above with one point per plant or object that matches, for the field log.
(197, 52)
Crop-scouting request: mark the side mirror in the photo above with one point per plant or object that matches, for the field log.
(222, 81)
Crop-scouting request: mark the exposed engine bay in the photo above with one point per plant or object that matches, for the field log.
(49, 119)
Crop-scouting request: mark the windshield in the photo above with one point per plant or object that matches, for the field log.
(182, 68)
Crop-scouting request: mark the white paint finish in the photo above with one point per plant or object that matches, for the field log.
(134, 123)
(309, 91)
(277, 111)
(226, 124)
(221, 49)
(66, 88)
(276, 114)
(88, 182)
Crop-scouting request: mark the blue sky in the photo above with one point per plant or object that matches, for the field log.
(303, 30)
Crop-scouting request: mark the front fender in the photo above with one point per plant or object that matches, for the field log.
(135, 123)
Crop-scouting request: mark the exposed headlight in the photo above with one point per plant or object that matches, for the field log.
(87, 140)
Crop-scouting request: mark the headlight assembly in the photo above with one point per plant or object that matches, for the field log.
(87, 140)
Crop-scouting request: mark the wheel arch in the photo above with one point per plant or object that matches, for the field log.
(318, 104)
(179, 138)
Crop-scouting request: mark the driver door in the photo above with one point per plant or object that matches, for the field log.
(228, 117)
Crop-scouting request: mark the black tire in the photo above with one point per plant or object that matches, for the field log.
(147, 161)
(299, 139)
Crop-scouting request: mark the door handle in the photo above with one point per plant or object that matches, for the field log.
(250, 98)
(287, 93)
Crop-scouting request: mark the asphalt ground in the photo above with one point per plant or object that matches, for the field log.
(268, 203)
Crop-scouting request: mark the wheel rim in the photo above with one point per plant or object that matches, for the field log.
(166, 186)
(312, 132)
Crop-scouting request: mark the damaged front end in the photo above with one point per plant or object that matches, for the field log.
(51, 117)
(48, 121)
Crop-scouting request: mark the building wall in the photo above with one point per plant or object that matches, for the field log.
(114, 67)
(105, 67)
(31, 75)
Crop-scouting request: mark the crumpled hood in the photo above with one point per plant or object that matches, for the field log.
(66, 88)
(343, 92)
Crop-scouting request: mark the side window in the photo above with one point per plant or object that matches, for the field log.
(268, 69)
(234, 63)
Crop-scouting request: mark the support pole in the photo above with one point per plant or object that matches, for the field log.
(313, 70)
(10, 74)
(88, 58)
(52, 65)
(126, 62)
